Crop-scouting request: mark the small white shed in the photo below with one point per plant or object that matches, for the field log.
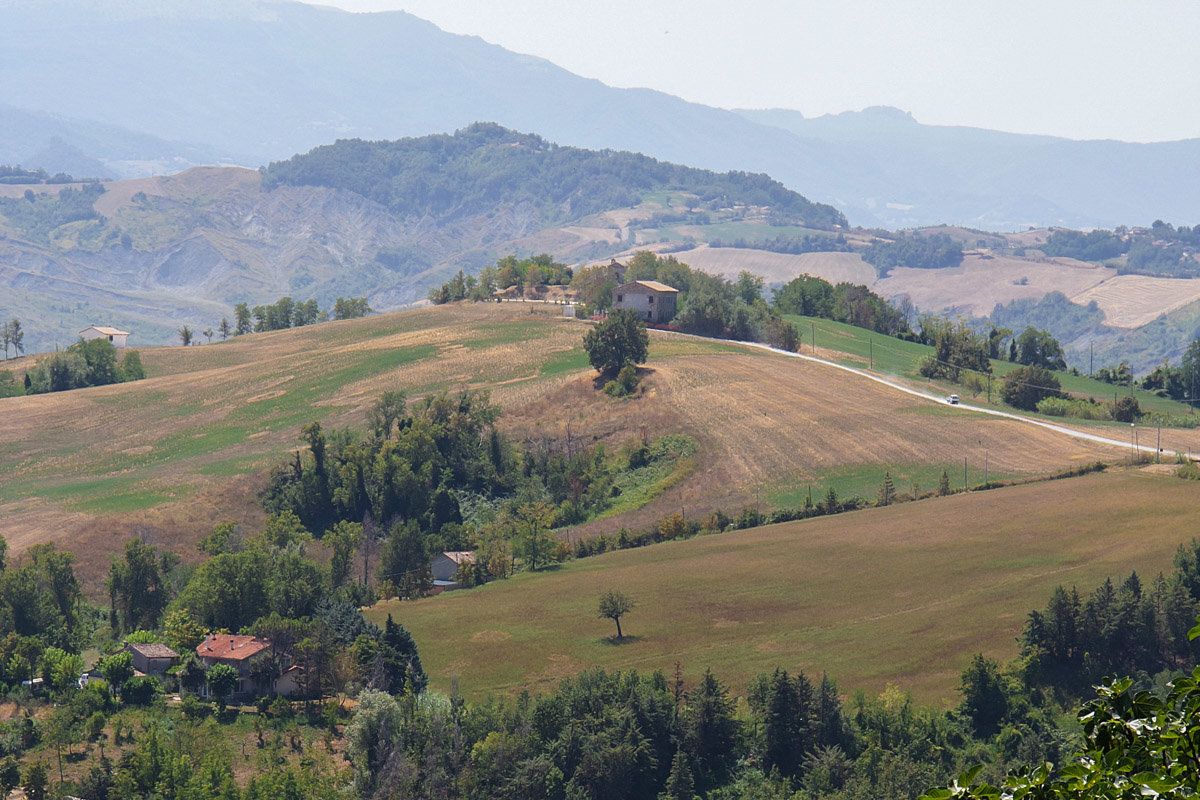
(117, 337)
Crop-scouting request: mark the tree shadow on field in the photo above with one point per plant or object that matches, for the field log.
(626, 639)
(599, 382)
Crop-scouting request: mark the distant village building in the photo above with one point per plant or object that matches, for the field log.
(653, 301)
(115, 336)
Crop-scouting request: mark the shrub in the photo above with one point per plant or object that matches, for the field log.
(1025, 387)
(141, 691)
(1126, 409)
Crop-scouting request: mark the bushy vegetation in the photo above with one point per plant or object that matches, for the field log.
(441, 477)
(85, 363)
(845, 302)
(36, 215)
(937, 251)
(1095, 245)
(483, 166)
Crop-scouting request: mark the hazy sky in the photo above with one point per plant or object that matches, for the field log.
(1086, 69)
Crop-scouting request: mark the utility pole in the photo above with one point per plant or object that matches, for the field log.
(1158, 443)
(989, 388)
(814, 335)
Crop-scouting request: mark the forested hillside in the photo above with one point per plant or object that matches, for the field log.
(484, 165)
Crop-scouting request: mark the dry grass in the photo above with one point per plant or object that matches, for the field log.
(980, 283)
(904, 594)
(1131, 301)
(168, 457)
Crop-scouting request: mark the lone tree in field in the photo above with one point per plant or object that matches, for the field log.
(619, 341)
(614, 605)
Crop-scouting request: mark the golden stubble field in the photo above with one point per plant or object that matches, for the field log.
(904, 594)
(170, 456)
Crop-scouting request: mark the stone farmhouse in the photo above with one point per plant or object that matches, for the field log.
(653, 301)
(151, 659)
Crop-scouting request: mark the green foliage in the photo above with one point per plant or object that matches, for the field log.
(85, 363)
(845, 302)
(350, 308)
(1025, 387)
(38, 218)
(450, 177)
(614, 605)
(1054, 314)
(956, 347)
(222, 681)
(616, 342)
(117, 670)
(137, 587)
(1095, 245)
(937, 251)
(625, 384)
(1039, 349)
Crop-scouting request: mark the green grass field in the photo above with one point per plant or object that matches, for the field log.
(904, 594)
(892, 356)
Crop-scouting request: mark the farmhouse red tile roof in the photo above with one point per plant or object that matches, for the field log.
(152, 650)
(231, 647)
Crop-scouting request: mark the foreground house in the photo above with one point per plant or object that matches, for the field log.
(653, 301)
(239, 652)
(117, 337)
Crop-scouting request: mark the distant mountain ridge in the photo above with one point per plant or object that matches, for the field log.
(253, 81)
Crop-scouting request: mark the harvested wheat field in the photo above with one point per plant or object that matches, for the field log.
(169, 456)
(1130, 301)
(903, 594)
(980, 282)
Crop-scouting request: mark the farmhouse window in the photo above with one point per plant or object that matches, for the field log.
(620, 298)
(650, 299)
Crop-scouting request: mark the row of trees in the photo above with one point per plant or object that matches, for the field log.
(283, 313)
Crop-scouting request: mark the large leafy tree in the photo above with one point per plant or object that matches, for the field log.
(1025, 387)
(618, 341)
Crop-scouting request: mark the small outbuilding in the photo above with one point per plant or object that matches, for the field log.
(653, 301)
(117, 337)
(444, 566)
(152, 658)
